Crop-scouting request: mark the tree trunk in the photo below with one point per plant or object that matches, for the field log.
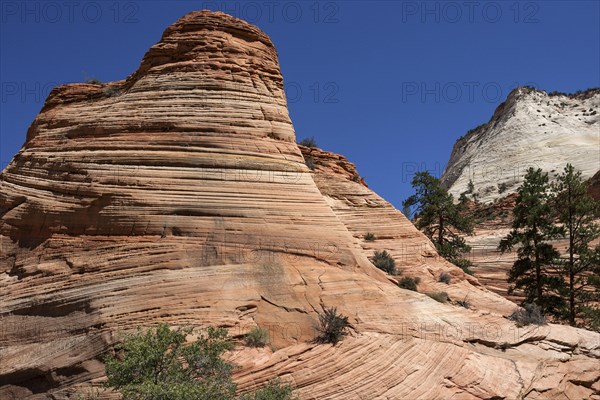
(538, 272)
(571, 298)
(571, 264)
(441, 232)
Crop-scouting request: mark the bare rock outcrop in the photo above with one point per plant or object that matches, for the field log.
(530, 129)
(179, 195)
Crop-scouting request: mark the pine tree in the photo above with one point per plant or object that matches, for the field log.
(439, 218)
(534, 271)
(581, 265)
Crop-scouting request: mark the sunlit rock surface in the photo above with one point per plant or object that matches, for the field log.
(530, 129)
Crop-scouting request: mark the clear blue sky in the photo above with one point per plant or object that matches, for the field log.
(389, 84)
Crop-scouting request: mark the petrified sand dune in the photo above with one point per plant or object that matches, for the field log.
(530, 129)
(179, 195)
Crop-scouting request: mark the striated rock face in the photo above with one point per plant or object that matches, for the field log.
(530, 129)
(178, 195)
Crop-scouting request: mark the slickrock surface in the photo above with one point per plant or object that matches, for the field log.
(363, 211)
(530, 129)
(179, 195)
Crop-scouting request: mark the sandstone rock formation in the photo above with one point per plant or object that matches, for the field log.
(530, 129)
(178, 195)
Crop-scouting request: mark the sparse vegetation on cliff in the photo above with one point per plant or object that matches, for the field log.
(332, 326)
(465, 303)
(308, 142)
(310, 163)
(369, 237)
(257, 337)
(440, 297)
(384, 261)
(445, 278)
(409, 283)
(93, 81)
(529, 314)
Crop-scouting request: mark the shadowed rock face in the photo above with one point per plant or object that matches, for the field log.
(179, 195)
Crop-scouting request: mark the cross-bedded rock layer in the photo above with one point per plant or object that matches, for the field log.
(531, 129)
(179, 195)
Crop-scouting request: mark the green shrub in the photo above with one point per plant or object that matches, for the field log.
(444, 278)
(502, 187)
(308, 142)
(464, 264)
(590, 318)
(464, 302)
(530, 314)
(369, 237)
(332, 326)
(310, 163)
(384, 261)
(158, 364)
(111, 92)
(273, 391)
(93, 81)
(257, 337)
(440, 297)
(409, 283)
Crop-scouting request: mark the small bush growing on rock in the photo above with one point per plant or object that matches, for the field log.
(502, 187)
(310, 163)
(440, 297)
(530, 314)
(111, 92)
(93, 81)
(308, 142)
(445, 278)
(332, 326)
(384, 261)
(275, 390)
(464, 303)
(257, 337)
(409, 283)
(369, 237)
(356, 178)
